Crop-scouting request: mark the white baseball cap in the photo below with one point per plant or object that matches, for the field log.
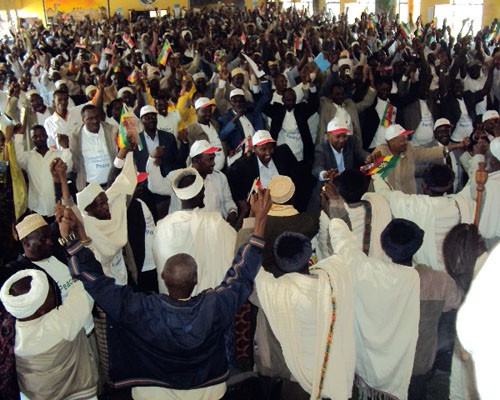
(490, 114)
(202, 147)
(148, 110)
(337, 125)
(203, 102)
(395, 130)
(236, 92)
(262, 137)
(442, 122)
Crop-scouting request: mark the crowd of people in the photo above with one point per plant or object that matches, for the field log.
(291, 198)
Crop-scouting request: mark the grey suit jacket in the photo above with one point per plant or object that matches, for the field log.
(75, 146)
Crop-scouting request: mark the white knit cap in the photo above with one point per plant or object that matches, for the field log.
(495, 148)
(190, 191)
(123, 90)
(395, 130)
(88, 195)
(29, 224)
(27, 304)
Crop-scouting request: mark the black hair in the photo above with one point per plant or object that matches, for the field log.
(351, 185)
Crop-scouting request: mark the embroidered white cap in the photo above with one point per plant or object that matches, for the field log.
(395, 130)
(29, 224)
(490, 114)
(262, 137)
(202, 147)
(281, 189)
(441, 122)
(148, 110)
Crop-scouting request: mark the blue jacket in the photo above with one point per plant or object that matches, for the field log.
(155, 340)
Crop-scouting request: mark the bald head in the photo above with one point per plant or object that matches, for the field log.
(180, 275)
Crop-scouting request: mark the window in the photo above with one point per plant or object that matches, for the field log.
(458, 11)
(333, 7)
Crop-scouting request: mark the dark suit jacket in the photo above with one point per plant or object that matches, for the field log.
(232, 133)
(244, 171)
(450, 109)
(354, 156)
(302, 111)
(173, 157)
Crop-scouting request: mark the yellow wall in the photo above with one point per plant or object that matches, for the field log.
(31, 9)
(491, 10)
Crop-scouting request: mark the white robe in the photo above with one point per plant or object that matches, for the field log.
(201, 234)
(435, 215)
(299, 310)
(386, 316)
(478, 327)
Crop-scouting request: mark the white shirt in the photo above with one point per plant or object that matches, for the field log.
(266, 172)
(424, 134)
(169, 123)
(290, 135)
(214, 140)
(464, 125)
(56, 124)
(41, 195)
(379, 137)
(149, 262)
(42, 117)
(339, 158)
(475, 85)
(95, 156)
(151, 144)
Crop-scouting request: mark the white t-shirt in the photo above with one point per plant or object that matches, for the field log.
(149, 262)
(56, 124)
(169, 123)
(424, 134)
(95, 155)
(214, 140)
(290, 135)
(464, 125)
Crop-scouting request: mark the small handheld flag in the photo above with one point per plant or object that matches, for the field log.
(127, 39)
(127, 128)
(381, 166)
(386, 120)
(165, 51)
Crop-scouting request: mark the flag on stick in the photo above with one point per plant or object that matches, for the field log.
(165, 51)
(381, 166)
(127, 128)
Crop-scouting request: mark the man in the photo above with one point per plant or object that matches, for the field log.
(188, 336)
(266, 161)
(53, 355)
(104, 215)
(172, 157)
(341, 151)
(168, 121)
(442, 135)
(205, 128)
(35, 114)
(192, 230)
(217, 193)
(282, 217)
(63, 121)
(385, 348)
(402, 176)
(337, 101)
(299, 307)
(36, 163)
(93, 148)
(243, 119)
(491, 123)
(366, 213)
(489, 224)
(436, 211)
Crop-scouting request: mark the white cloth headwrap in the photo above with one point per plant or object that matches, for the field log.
(88, 195)
(25, 305)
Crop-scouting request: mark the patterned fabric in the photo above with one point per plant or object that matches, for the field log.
(9, 389)
(244, 334)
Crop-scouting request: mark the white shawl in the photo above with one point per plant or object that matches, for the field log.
(386, 315)
(110, 236)
(204, 235)
(299, 310)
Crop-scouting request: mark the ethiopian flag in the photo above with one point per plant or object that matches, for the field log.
(386, 120)
(165, 51)
(383, 165)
